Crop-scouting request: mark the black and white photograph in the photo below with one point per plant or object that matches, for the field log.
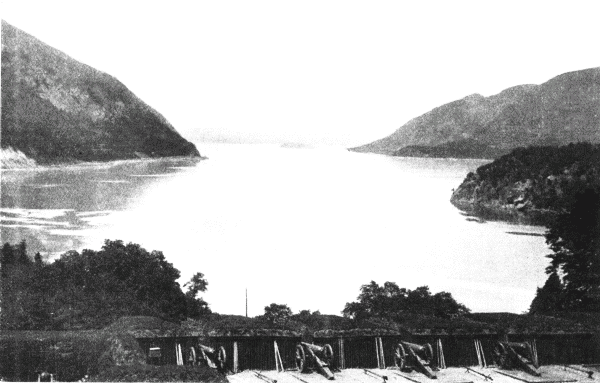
(279, 191)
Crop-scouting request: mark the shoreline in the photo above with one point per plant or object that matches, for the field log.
(503, 213)
(111, 163)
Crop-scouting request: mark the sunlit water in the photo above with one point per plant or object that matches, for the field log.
(305, 227)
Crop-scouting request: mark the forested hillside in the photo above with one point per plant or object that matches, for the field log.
(530, 184)
(57, 110)
(563, 110)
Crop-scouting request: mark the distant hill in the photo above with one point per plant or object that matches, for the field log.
(57, 110)
(562, 110)
(530, 185)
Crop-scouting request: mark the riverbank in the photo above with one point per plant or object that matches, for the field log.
(14, 160)
(494, 211)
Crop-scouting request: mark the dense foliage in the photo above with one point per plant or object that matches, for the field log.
(533, 181)
(575, 240)
(93, 288)
(277, 313)
(549, 299)
(467, 148)
(392, 302)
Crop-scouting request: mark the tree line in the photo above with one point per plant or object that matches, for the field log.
(548, 177)
(93, 288)
(573, 283)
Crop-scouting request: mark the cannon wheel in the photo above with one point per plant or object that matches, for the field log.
(500, 355)
(300, 358)
(399, 356)
(193, 353)
(222, 357)
(429, 351)
(327, 353)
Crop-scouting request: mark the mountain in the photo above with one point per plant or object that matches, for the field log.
(58, 110)
(562, 110)
(530, 185)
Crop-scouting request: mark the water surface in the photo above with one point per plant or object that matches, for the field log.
(306, 227)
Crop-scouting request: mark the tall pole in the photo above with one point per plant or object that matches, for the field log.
(246, 303)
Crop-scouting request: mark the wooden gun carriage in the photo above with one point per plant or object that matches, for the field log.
(516, 355)
(212, 357)
(311, 356)
(411, 356)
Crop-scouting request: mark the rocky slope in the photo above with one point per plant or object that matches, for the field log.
(57, 110)
(530, 185)
(562, 110)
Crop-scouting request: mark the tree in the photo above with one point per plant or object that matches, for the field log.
(574, 237)
(8, 254)
(196, 285)
(313, 321)
(21, 252)
(37, 259)
(15, 282)
(277, 314)
(93, 288)
(390, 302)
(196, 307)
(549, 299)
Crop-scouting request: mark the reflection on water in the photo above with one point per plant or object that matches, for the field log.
(55, 209)
(272, 219)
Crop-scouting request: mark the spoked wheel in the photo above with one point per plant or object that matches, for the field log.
(429, 351)
(222, 358)
(192, 358)
(300, 358)
(431, 360)
(327, 354)
(399, 356)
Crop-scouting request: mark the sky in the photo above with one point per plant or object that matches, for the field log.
(317, 72)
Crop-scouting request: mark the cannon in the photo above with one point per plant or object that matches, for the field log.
(211, 357)
(311, 356)
(516, 355)
(411, 356)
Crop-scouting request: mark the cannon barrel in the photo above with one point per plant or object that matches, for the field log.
(325, 352)
(424, 351)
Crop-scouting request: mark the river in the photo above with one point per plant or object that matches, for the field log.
(306, 227)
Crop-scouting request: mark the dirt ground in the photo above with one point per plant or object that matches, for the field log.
(550, 374)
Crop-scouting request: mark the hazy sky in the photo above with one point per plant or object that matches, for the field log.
(337, 72)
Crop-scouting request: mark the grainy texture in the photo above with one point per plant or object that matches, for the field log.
(57, 110)
(530, 185)
(562, 110)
